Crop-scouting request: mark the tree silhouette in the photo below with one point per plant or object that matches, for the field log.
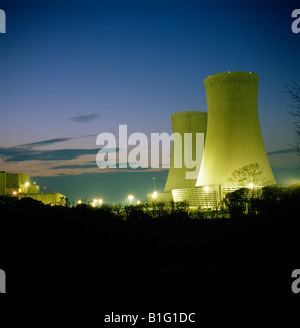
(248, 175)
(237, 202)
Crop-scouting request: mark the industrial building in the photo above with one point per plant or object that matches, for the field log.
(190, 122)
(234, 154)
(18, 185)
(234, 138)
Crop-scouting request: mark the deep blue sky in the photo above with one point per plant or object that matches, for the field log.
(73, 69)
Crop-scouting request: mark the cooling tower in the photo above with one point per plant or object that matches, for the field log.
(233, 138)
(186, 122)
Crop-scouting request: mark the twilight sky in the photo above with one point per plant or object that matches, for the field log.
(73, 69)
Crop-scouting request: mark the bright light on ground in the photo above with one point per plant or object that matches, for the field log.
(97, 202)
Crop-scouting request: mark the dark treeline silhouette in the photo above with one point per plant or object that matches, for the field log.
(152, 255)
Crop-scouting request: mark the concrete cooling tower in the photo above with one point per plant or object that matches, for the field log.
(233, 137)
(185, 122)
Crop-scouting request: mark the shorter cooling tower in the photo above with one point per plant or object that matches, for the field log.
(185, 122)
(233, 138)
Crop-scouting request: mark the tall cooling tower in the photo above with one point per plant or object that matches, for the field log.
(234, 138)
(185, 122)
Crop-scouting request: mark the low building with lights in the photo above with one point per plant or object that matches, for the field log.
(18, 185)
(160, 197)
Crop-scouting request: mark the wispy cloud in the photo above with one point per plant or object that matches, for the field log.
(283, 158)
(43, 143)
(33, 152)
(16, 154)
(75, 166)
(84, 118)
(36, 159)
(49, 142)
(282, 151)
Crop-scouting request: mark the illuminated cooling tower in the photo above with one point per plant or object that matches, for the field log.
(233, 133)
(185, 122)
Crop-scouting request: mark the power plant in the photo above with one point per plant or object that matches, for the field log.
(234, 154)
(18, 185)
(214, 152)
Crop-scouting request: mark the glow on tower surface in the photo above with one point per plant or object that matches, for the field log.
(233, 137)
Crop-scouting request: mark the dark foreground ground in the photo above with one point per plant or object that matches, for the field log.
(65, 257)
